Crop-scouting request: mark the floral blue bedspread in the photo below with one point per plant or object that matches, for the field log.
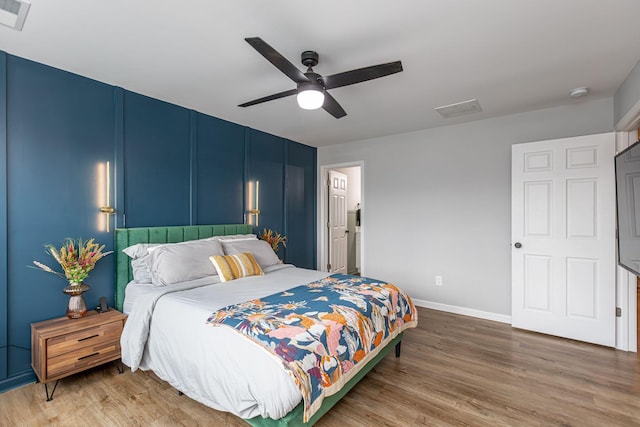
(324, 331)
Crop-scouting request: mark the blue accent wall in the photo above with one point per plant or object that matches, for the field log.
(300, 204)
(156, 140)
(170, 166)
(3, 217)
(59, 130)
(265, 163)
(220, 171)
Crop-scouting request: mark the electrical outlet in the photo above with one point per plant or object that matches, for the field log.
(438, 280)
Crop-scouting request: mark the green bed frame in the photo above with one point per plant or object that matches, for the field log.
(125, 237)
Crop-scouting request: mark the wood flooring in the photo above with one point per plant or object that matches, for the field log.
(454, 371)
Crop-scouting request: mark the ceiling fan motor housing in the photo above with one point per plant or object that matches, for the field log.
(310, 58)
(315, 82)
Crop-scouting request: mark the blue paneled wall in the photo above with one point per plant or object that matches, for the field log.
(156, 162)
(300, 208)
(266, 165)
(220, 168)
(4, 319)
(171, 166)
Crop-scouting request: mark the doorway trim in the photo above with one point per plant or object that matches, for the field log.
(323, 217)
(626, 287)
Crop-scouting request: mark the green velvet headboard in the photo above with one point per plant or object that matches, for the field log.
(130, 236)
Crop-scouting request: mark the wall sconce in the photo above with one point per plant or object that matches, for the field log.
(254, 200)
(107, 209)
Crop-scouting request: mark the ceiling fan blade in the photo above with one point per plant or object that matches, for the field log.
(280, 62)
(269, 98)
(332, 107)
(361, 75)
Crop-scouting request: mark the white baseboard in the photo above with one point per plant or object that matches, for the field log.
(463, 310)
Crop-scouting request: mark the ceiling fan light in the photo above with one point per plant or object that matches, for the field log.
(310, 99)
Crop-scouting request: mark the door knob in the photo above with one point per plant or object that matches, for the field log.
(518, 245)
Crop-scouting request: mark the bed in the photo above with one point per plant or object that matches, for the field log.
(177, 331)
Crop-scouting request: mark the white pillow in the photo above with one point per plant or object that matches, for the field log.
(236, 237)
(180, 262)
(139, 253)
(229, 238)
(139, 250)
(141, 273)
(260, 249)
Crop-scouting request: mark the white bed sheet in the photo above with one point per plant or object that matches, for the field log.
(132, 292)
(215, 365)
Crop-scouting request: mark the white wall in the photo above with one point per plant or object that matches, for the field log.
(438, 201)
(353, 186)
(627, 95)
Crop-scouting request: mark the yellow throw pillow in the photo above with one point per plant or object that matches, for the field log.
(230, 267)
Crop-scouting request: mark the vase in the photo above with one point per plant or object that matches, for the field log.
(77, 308)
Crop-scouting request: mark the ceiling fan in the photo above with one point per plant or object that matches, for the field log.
(311, 87)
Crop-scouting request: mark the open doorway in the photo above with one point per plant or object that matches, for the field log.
(333, 230)
(354, 217)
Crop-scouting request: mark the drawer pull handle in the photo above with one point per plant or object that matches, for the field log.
(88, 338)
(87, 356)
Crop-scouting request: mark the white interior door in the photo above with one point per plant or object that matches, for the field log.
(337, 222)
(563, 236)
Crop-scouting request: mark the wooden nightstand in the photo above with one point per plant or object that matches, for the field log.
(62, 347)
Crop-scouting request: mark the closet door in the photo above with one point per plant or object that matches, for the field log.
(301, 205)
(265, 164)
(563, 230)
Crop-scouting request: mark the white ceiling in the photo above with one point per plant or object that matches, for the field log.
(512, 55)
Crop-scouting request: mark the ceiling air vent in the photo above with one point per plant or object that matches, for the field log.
(459, 109)
(13, 13)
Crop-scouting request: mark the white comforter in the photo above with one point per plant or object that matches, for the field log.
(167, 332)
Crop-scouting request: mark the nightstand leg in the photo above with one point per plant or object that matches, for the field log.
(119, 366)
(46, 390)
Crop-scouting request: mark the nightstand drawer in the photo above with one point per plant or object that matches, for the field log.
(83, 358)
(90, 337)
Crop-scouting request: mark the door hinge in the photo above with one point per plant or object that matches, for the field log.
(618, 312)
